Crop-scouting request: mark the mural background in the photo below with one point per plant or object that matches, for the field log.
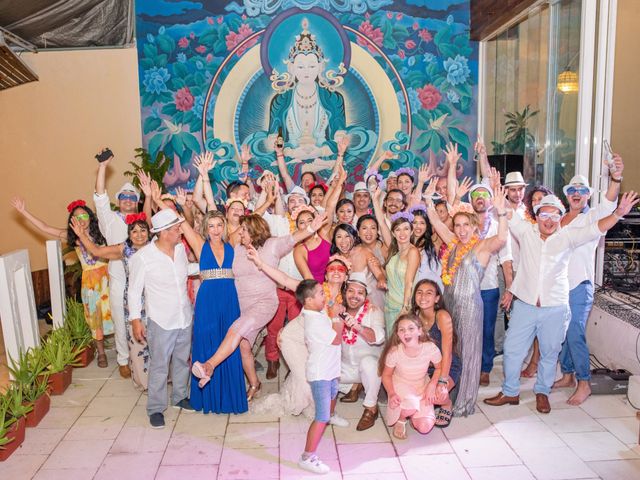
(410, 84)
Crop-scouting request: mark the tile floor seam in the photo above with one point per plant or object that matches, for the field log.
(173, 428)
(224, 439)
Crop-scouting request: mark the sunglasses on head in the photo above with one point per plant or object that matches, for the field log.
(579, 190)
(336, 268)
(127, 196)
(82, 216)
(555, 217)
(480, 194)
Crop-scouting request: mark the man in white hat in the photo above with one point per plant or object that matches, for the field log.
(362, 341)
(574, 357)
(160, 271)
(515, 186)
(114, 229)
(361, 200)
(541, 287)
(480, 196)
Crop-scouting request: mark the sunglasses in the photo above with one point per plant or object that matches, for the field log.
(554, 217)
(127, 196)
(336, 268)
(82, 216)
(579, 190)
(476, 194)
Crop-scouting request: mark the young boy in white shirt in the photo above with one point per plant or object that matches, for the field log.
(323, 338)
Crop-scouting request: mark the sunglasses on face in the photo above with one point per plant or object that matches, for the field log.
(476, 194)
(336, 269)
(127, 196)
(554, 217)
(578, 190)
(82, 216)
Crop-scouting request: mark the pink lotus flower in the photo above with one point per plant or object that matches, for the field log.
(374, 36)
(210, 20)
(219, 20)
(244, 17)
(399, 16)
(415, 26)
(183, 42)
(389, 15)
(429, 96)
(201, 49)
(367, 15)
(233, 39)
(192, 35)
(409, 44)
(425, 35)
(183, 99)
(401, 54)
(209, 58)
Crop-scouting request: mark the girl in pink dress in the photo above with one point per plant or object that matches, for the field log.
(403, 367)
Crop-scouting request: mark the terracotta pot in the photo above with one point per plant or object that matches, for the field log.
(60, 381)
(85, 356)
(16, 433)
(40, 409)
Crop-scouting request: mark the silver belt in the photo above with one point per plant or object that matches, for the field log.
(216, 273)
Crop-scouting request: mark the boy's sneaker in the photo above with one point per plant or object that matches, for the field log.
(313, 464)
(185, 405)
(156, 420)
(338, 421)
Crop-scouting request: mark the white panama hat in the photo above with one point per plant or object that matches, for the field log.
(165, 218)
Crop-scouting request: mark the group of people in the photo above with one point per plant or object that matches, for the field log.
(388, 288)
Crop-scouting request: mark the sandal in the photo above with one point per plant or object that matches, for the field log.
(400, 429)
(253, 391)
(102, 360)
(198, 370)
(526, 373)
(443, 416)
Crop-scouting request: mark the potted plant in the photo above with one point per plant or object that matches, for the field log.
(60, 357)
(12, 422)
(79, 332)
(26, 372)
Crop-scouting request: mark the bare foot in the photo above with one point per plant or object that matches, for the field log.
(581, 394)
(566, 380)
(530, 371)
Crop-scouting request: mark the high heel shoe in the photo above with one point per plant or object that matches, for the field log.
(198, 370)
(253, 391)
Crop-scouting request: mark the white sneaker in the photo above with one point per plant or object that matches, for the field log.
(338, 421)
(313, 464)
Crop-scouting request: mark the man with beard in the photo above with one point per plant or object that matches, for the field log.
(362, 341)
(394, 202)
(480, 195)
(361, 200)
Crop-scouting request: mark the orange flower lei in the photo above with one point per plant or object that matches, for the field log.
(529, 218)
(448, 272)
(327, 295)
(292, 224)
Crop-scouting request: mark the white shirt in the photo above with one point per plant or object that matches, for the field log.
(515, 246)
(114, 229)
(323, 362)
(543, 270)
(490, 279)
(279, 226)
(165, 286)
(374, 319)
(582, 261)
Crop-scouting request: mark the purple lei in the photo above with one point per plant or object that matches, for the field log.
(405, 215)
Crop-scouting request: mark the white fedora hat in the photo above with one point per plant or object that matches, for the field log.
(297, 191)
(360, 187)
(578, 181)
(164, 219)
(360, 278)
(514, 179)
(550, 201)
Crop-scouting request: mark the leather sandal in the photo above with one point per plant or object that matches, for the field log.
(443, 416)
(102, 360)
(253, 391)
(400, 429)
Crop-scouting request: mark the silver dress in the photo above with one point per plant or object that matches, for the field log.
(464, 303)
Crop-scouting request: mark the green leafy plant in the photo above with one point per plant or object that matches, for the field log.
(6, 421)
(76, 325)
(58, 351)
(156, 167)
(17, 407)
(516, 134)
(25, 371)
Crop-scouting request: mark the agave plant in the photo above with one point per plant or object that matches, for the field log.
(58, 350)
(25, 371)
(76, 325)
(17, 407)
(155, 168)
(6, 421)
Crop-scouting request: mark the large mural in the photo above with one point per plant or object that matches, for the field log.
(394, 75)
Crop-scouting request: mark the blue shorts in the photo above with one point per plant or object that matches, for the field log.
(324, 391)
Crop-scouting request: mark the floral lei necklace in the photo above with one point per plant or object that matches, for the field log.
(327, 295)
(529, 218)
(349, 335)
(448, 272)
(292, 223)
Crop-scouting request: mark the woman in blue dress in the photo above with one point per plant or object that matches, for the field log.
(216, 309)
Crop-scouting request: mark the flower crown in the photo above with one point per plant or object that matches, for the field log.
(75, 204)
(406, 171)
(229, 201)
(322, 185)
(302, 208)
(135, 217)
(341, 258)
(418, 207)
(373, 173)
(406, 215)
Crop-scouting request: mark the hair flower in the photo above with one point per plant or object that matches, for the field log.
(135, 217)
(75, 204)
(406, 215)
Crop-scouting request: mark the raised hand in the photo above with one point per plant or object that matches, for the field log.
(494, 179)
(156, 193)
(463, 187)
(318, 221)
(145, 182)
(499, 200)
(18, 204)
(618, 165)
(343, 144)
(627, 202)
(479, 148)
(423, 173)
(181, 196)
(204, 162)
(278, 147)
(451, 154)
(77, 228)
(428, 194)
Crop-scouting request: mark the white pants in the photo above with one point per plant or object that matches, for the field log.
(365, 371)
(116, 301)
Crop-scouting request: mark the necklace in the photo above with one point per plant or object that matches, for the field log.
(449, 272)
(349, 335)
(86, 256)
(327, 295)
(292, 224)
(305, 97)
(308, 107)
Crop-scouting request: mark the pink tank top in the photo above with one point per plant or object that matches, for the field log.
(317, 259)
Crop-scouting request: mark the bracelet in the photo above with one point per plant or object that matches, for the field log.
(616, 180)
(443, 382)
(502, 214)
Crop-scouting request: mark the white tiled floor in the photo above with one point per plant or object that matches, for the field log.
(99, 429)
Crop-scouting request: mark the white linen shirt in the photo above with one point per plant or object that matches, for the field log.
(323, 362)
(543, 271)
(374, 319)
(490, 279)
(515, 246)
(582, 261)
(114, 229)
(164, 282)
(279, 226)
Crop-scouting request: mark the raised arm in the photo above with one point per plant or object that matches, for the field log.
(385, 233)
(627, 202)
(269, 187)
(193, 238)
(276, 275)
(481, 156)
(181, 199)
(423, 176)
(491, 245)
(615, 178)
(446, 235)
(452, 156)
(332, 201)
(109, 252)
(101, 175)
(58, 233)
(316, 224)
(375, 165)
(282, 167)
(202, 193)
(145, 185)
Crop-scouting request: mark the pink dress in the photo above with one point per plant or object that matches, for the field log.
(410, 380)
(256, 291)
